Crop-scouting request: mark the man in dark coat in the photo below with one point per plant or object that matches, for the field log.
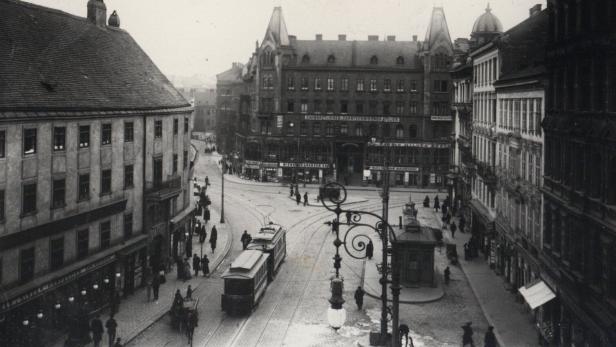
(207, 181)
(489, 339)
(453, 228)
(437, 205)
(305, 198)
(447, 275)
(245, 239)
(205, 265)
(111, 326)
(196, 262)
(291, 190)
(155, 285)
(369, 250)
(213, 238)
(206, 215)
(359, 297)
(467, 337)
(298, 197)
(96, 325)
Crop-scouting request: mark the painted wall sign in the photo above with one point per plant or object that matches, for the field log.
(409, 144)
(346, 118)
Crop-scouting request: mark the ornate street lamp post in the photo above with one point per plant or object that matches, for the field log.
(354, 244)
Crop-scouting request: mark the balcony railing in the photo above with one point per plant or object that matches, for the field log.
(160, 190)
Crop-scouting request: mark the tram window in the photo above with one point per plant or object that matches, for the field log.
(237, 287)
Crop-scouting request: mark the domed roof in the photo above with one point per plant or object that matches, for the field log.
(487, 23)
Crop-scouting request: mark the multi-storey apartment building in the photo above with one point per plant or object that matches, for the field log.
(579, 192)
(93, 166)
(339, 108)
(232, 107)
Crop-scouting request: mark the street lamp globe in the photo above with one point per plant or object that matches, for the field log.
(336, 314)
(336, 317)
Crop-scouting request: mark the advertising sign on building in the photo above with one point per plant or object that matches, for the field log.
(279, 121)
(346, 118)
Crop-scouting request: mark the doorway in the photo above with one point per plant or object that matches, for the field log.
(349, 162)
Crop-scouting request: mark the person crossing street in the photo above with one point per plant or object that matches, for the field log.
(245, 239)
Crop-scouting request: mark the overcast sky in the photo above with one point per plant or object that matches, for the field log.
(203, 37)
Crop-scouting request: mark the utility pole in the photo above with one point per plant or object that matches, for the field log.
(222, 194)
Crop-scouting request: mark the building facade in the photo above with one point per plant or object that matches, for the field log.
(579, 189)
(233, 96)
(81, 163)
(341, 109)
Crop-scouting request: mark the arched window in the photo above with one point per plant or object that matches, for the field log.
(306, 59)
(331, 59)
(399, 131)
(267, 58)
(400, 60)
(412, 131)
(374, 60)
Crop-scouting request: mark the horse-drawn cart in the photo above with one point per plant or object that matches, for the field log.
(180, 313)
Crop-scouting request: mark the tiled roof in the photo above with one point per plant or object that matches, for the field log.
(234, 74)
(52, 60)
(386, 52)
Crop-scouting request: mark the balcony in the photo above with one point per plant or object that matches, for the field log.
(163, 190)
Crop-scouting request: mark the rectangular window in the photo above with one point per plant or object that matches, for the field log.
(185, 159)
(373, 87)
(303, 106)
(524, 113)
(413, 87)
(329, 129)
(359, 107)
(186, 125)
(57, 253)
(84, 186)
(344, 84)
(304, 83)
(400, 86)
(317, 83)
(59, 138)
(157, 171)
(83, 243)
(386, 107)
(344, 129)
(59, 193)
(440, 86)
(105, 229)
(387, 85)
(128, 225)
(158, 128)
(290, 106)
(2, 143)
(329, 106)
(29, 198)
(372, 107)
(360, 86)
(30, 141)
(344, 106)
(330, 84)
(290, 83)
(26, 264)
(176, 126)
(106, 134)
(128, 176)
(175, 163)
(413, 107)
(538, 116)
(316, 129)
(129, 132)
(317, 106)
(399, 107)
(106, 182)
(84, 136)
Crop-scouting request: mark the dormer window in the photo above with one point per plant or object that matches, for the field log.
(400, 61)
(331, 59)
(374, 60)
(306, 59)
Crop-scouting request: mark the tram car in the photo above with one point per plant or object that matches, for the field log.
(245, 282)
(271, 239)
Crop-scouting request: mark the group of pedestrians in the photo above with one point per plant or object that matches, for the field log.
(96, 327)
(489, 339)
(153, 282)
(295, 192)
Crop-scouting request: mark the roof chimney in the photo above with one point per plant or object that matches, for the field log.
(114, 20)
(97, 12)
(534, 10)
(341, 37)
(319, 37)
(373, 37)
(391, 38)
(414, 38)
(292, 39)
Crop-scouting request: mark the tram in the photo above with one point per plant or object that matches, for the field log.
(271, 239)
(245, 282)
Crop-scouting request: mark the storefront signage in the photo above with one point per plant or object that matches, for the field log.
(306, 165)
(251, 166)
(252, 162)
(409, 144)
(441, 118)
(345, 118)
(55, 283)
(274, 165)
(394, 168)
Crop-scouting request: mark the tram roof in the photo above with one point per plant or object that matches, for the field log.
(246, 265)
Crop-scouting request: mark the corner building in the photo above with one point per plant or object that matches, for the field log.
(94, 168)
(341, 109)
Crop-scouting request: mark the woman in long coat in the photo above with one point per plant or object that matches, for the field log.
(369, 249)
(213, 238)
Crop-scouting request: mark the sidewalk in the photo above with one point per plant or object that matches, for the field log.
(136, 314)
(511, 320)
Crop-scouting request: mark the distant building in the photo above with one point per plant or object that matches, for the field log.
(579, 193)
(205, 110)
(94, 167)
(232, 107)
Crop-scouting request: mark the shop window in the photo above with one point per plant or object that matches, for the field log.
(84, 136)
(29, 199)
(105, 234)
(57, 253)
(128, 176)
(158, 129)
(59, 193)
(30, 141)
(26, 264)
(59, 138)
(128, 225)
(106, 134)
(84, 187)
(129, 131)
(83, 243)
(106, 182)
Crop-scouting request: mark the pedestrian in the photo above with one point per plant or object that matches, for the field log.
(348, 217)
(213, 238)
(148, 282)
(453, 228)
(305, 198)
(437, 205)
(426, 202)
(96, 325)
(118, 342)
(206, 215)
(467, 337)
(189, 293)
(369, 250)
(205, 266)
(245, 239)
(207, 181)
(359, 297)
(196, 261)
(298, 198)
(155, 286)
(191, 322)
(447, 275)
(291, 190)
(111, 326)
(489, 339)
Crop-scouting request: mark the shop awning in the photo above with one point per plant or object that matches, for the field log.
(537, 294)
(180, 216)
